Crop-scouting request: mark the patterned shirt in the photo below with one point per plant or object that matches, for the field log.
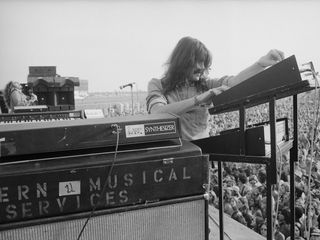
(194, 123)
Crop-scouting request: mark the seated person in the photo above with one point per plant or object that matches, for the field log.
(15, 97)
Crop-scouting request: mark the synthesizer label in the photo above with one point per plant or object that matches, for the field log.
(56, 193)
(142, 130)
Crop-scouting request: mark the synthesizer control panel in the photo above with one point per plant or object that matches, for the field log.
(39, 137)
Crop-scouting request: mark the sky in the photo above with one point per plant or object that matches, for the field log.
(114, 42)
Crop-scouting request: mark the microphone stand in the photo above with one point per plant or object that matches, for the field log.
(131, 85)
(131, 99)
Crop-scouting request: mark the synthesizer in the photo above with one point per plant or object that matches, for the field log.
(280, 80)
(81, 134)
(13, 118)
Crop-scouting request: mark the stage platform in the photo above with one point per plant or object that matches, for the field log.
(233, 230)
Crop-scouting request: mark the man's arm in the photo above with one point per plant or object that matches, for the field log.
(271, 58)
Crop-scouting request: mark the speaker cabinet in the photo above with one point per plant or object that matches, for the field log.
(65, 97)
(42, 71)
(54, 91)
(179, 219)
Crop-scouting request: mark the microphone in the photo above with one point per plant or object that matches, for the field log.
(127, 85)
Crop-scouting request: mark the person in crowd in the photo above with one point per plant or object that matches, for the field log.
(284, 188)
(297, 232)
(15, 97)
(243, 185)
(262, 176)
(263, 229)
(237, 215)
(258, 221)
(285, 200)
(253, 180)
(299, 211)
(254, 199)
(300, 196)
(248, 170)
(243, 206)
(228, 208)
(186, 89)
(278, 235)
(284, 219)
(263, 205)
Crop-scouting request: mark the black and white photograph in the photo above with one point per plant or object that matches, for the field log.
(150, 119)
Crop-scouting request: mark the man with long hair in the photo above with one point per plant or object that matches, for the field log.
(187, 91)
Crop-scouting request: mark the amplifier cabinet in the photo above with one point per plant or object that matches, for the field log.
(42, 71)
(182, 219)
(45, 98)
(72, 184)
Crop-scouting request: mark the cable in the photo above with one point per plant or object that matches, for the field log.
(117, 131)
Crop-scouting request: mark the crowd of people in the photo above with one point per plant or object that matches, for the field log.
(245, 184)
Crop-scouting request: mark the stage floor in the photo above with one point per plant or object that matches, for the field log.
(233, 230)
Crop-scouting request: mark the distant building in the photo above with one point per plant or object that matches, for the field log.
(82, 90)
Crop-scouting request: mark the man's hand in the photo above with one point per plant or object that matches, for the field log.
(218, 90)
(33, 97)
(206, 97)
(271, 58)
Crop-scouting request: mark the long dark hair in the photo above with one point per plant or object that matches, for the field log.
(187, 53)
(7, 93)
(9, 88)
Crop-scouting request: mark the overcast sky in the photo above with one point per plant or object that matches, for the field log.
(111, 43)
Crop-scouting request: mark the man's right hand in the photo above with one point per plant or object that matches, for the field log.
(206, 97)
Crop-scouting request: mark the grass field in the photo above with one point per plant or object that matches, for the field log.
(106, 101)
